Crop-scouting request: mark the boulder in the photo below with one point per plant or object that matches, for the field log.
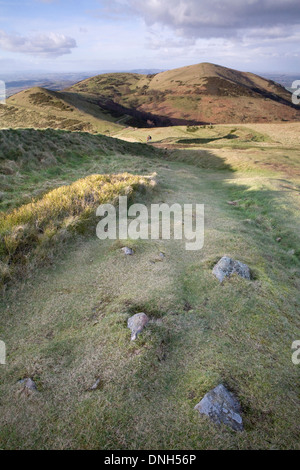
(136, 324)
(221, 406)
(226, 266)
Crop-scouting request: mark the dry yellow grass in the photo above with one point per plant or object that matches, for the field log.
(30, 233)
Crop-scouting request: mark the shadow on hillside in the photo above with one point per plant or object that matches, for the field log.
(207, 141)
(138, 118)
(200, 158)
(262, 207)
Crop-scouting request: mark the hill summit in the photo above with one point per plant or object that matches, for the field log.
(203, 93)
(198, 94)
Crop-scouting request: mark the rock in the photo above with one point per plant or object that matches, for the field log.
(127, 251)
(227, 266)
(278, 239)
(96, 385)
(161, 256)
(221, 406)
(232, 203)
(29, 383)
(136, 324)
(29, 387)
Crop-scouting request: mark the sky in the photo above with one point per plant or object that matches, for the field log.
(81, 36)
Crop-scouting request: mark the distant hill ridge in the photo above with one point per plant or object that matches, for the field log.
(202, 93)
(198, 94)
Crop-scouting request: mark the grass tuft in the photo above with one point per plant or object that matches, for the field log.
(34, 230)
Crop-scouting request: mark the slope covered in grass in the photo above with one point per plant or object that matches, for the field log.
(32, 162)
(67, 326)
(201, 93)
(41, 108)
(30, 234)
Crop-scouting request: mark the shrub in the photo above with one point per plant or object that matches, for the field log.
(192, 128)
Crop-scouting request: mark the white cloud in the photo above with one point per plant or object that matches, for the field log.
(46, 45)
(237, 33)
(217, 18)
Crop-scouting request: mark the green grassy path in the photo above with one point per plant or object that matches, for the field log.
(67, 327)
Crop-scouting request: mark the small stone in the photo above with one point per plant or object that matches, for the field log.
(136, 324)
(221, 406)
(29, 383)
(127, 251)
(96, 385)
(278, 239)
(227, 266)
(29, 387)
(232, 203)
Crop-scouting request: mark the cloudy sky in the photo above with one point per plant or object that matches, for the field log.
(74, 35)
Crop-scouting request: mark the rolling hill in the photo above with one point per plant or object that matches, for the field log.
(41, 108)
(203, 93)
(197, 94)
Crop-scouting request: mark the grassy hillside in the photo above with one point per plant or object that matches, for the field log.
(40, 108)
(203, 93)
(33, 232)
(65, 326)
(33, 162)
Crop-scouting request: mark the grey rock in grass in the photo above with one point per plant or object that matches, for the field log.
(227, 266)
(221, 406)
(29, 386)
(96, 385)
(127, 251)
(136, 324)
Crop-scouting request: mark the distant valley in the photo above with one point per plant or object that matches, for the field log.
(52, 81)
